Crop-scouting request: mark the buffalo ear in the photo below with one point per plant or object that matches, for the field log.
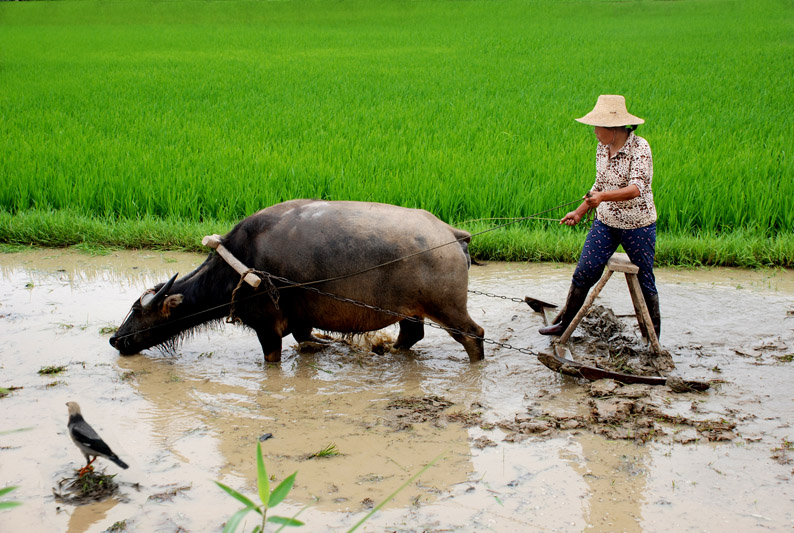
(171, 302)
(153, 301)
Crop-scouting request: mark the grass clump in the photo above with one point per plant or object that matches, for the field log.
(5, 391)
(121, 525)
(51, 370)
(89, 488)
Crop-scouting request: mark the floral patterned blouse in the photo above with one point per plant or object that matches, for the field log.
(633, 164)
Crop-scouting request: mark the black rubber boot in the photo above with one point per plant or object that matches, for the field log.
(652, 301)
(576, 298)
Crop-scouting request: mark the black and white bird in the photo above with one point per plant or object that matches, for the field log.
(87, 440)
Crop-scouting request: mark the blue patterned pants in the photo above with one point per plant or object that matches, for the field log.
(601, 243)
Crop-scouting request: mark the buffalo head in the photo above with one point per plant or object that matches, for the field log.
(150, 322)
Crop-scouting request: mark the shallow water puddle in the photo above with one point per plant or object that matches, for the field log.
(185, 419)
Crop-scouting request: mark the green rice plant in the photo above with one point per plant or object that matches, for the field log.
(145, 125)
(267, 498)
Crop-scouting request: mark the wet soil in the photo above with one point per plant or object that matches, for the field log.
(520, 447)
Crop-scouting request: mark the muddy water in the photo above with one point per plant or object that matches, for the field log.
(185, 419)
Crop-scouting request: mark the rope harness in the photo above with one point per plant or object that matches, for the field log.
(271, 291)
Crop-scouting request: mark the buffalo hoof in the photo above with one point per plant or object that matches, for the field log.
(311, 346)
(273, 357)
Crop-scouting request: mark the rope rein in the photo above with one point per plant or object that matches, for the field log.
(387, 263)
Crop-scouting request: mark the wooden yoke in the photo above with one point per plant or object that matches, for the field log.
(214, 242)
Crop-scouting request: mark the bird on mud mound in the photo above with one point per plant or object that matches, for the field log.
(88, 441)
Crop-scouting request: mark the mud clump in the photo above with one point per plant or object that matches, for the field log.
(483, 442)
(373, 342)
(418, 409)
(602, 341)
(624, 412)
(784, 454)
(680, 386)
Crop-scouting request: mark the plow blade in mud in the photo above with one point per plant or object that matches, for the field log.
(538, 305)
(559, 363)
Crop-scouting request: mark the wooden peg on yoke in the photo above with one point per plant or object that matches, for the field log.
(214, 242)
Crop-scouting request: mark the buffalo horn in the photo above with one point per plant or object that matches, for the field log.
(157, 299)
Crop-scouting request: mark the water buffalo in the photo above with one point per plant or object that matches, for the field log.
(310, 240)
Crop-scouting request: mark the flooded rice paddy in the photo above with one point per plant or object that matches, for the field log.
(519, 448)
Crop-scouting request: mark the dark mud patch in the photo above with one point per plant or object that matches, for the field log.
(483, 442)
(405, 412)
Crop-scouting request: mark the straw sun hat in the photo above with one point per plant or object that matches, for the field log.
(610, 111)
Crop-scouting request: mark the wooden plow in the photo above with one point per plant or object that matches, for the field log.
(561, 360)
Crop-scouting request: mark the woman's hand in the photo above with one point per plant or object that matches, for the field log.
(593, 199)
(572, 218)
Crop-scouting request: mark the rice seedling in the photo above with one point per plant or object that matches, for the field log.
(329, 451)
(143, 125)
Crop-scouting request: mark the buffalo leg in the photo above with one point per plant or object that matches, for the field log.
(271, 345)
(411, 332)
(302, 334)
(466, 331)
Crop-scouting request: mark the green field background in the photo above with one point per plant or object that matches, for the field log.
(152, 123)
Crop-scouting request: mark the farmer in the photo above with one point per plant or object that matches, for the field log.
(625, 213)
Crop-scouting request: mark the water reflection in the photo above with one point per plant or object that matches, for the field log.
(615, 473)
(303, 415)
(84, 516)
